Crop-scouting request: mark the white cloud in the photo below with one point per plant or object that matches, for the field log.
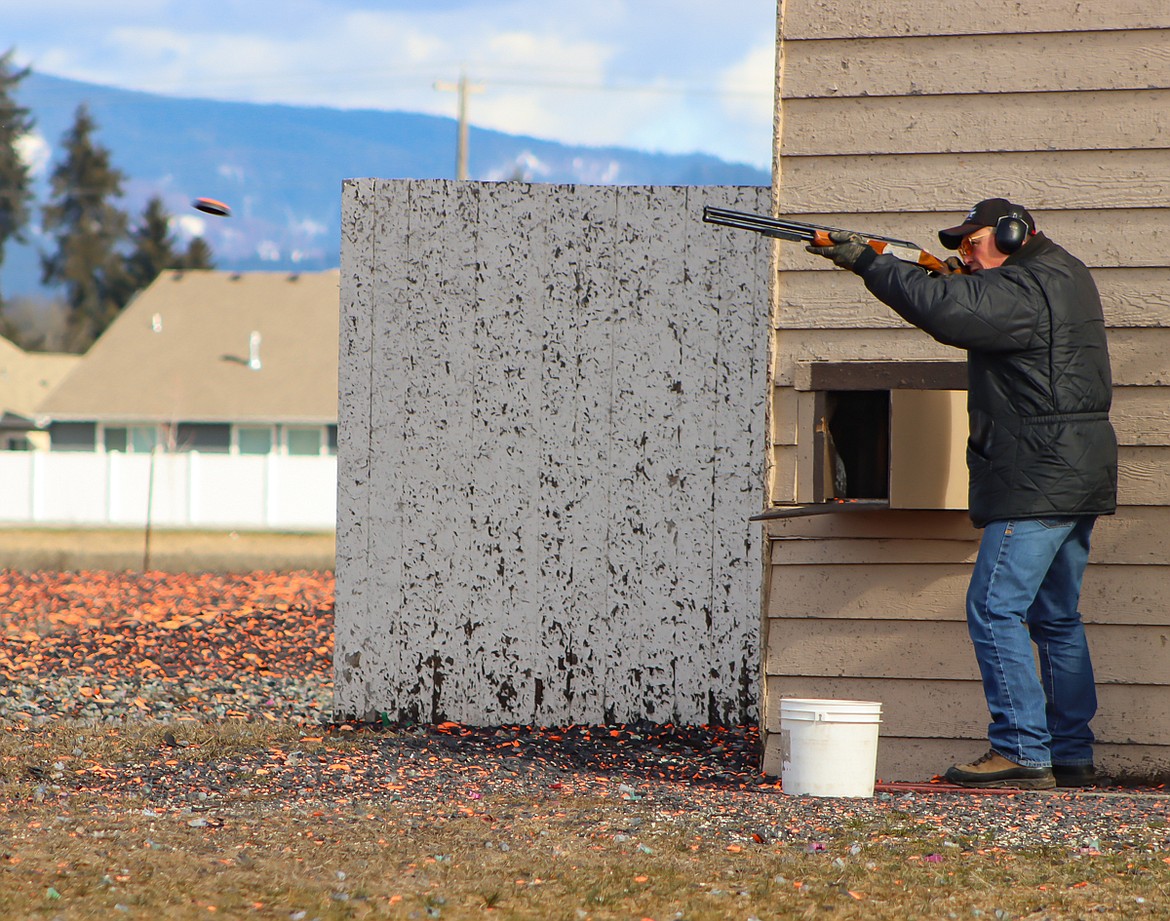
(188, 226)
(550, 69)
(597, 171)
(748, 85)
(307, 227)
(34, 151)
(151, 44)
(526, 166)
(747, 106)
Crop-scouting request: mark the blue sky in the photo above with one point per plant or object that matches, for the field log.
(680, 76)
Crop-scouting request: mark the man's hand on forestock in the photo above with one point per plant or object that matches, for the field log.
(847, 248)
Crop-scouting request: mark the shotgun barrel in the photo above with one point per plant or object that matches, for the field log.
(793, 231)
(818, 235)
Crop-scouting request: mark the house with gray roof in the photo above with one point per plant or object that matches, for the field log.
(211, 402)
(208, 361)
(26, 378)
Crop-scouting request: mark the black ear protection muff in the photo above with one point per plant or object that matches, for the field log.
(1011, 231)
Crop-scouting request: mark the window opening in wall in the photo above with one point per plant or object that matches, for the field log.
(204, 437)
(303, 442)
(855, 428)
(143, 438)
(73, 436)
(872, 435)
(130, 439)
(253, 439)
(115, 438)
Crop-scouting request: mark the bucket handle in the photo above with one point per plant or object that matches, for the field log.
(819, 716)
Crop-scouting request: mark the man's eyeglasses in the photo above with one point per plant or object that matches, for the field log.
(968, 243)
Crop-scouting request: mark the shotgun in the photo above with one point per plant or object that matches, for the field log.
(818, 235)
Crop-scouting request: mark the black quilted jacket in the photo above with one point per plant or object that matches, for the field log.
(1039, 384)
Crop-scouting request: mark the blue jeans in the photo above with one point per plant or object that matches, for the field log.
(1025, 589)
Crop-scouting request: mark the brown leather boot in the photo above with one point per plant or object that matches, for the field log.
(994, 770)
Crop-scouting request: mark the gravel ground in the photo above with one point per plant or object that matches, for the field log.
(100, 649)
(112, 646)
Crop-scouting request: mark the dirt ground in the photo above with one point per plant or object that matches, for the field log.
(69, 549)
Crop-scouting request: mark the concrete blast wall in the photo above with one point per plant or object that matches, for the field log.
(551, 439)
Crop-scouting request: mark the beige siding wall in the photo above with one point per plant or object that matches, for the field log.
(895, 117)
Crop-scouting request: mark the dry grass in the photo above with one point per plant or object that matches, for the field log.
(90, 855)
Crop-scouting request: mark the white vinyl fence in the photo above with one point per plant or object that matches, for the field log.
(184, 490)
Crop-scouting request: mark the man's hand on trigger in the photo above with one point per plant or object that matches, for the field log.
(847, 248)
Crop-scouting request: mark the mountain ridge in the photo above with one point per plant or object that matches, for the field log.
(280, 167)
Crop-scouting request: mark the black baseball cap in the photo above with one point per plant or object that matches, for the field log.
(985, 214)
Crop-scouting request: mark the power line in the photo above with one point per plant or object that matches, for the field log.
(650, 89)
(417, 77)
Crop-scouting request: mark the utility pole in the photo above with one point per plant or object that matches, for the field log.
(463, 88)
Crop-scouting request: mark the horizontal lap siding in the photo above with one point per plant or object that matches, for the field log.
(894, 119)
(1141, 416)
(1132, 297)
(1140, 357)
(946, 183)
(1048, 62)
(1143, 474)
(1138, 537)
(839, 627)
(815, 19)
(940, 124)
(937, 650)
(911, 591)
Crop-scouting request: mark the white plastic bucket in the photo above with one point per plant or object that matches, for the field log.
(828, 747)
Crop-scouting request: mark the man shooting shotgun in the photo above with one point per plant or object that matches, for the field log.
(817, 235)
(1042, 458)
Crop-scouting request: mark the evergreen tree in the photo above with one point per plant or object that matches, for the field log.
(153, 248)
(15, 180)
(198, 255)
(88, 229)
